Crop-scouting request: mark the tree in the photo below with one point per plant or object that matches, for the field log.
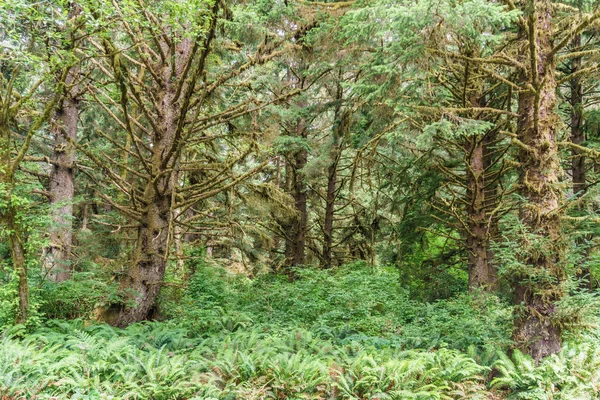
(61, 191)
(169, 79)
(539, 283)
(21, 117)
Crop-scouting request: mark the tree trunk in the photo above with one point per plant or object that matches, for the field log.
(538, 284)
(144, 279)
(329, 212)
(300, 197)
(20, 266)
(295, 231)
(288, 226)
(480, 197)
(56, 260)
(341, 122)
(491, 202)
(578, 171)
(146, 275)
(477, 235)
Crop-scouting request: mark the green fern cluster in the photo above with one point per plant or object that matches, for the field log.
(572, 374)
(355, 302)
(160, 361)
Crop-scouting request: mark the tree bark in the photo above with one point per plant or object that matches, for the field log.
(538, 285)
(329, 212)
(144, 279)
(18, 257)
(340, 125)
(56, 259)
(480, 195)
(296, 237)
(477, 235)
(578, 171)
(296, 230)
(491, 202)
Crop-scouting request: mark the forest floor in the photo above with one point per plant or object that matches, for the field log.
(351, 333)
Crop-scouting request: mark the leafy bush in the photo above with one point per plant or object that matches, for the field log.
(76, 297)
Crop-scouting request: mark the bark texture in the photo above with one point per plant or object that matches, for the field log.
(18, 257)
(56, 260)
(340, 126)
(478, 235)
(480, 185)
(295, 244)
(578, 169)
(329, 213)
(538, 285)
(296, 229)
(144, 279)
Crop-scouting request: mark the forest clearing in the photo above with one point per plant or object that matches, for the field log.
(298, 199)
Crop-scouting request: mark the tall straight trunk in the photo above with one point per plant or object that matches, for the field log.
(481, 200)
(296, 229)
(477, 235)
(288, 226)
(480, 196)
(56, 260)
(578, 171)
(298, 255)
(491, 202)
(538, 285)
(18, 258)
(329, 212)
(340, 124)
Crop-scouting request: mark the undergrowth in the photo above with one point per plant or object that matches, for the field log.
(351, 333)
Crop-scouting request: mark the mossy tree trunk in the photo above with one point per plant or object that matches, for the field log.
(295, 237)
(295, 244)
(57, 255)
(539, 284)
(12, 108)
(143, 281)
(578, 169)
(341, 124)
(481, 271)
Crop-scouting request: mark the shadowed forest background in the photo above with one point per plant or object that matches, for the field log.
(212, 199)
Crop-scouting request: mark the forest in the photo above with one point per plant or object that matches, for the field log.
(299, 199)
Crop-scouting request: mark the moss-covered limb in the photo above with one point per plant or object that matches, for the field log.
(466, 110)
(568, 36)
(497, 59)
(580, 73)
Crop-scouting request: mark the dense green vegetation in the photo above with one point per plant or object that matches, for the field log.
(358, 199)
(348, 334)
